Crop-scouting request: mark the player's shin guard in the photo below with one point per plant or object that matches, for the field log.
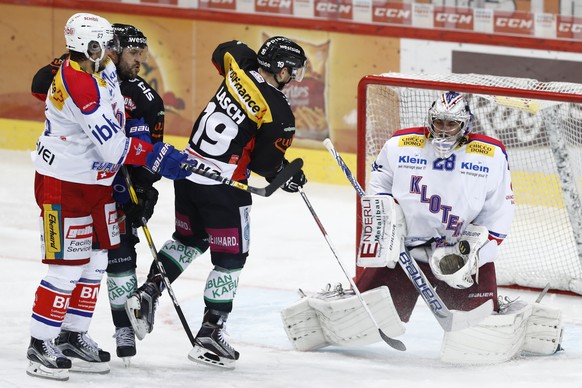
(141, 305)
(73, 340)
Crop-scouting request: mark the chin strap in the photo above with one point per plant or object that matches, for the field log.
(280, 85)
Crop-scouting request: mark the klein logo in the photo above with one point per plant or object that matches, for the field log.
(474, 167)
(80, 231)
(405, 159)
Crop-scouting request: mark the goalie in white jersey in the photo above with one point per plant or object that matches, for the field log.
(77, 156)
(445, 195)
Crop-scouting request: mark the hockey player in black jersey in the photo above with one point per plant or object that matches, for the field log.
(246, 126)
(144, 110)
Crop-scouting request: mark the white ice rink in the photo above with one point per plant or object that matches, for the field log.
(288, 252)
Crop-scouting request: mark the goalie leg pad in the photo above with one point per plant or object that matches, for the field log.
(340, 319)
(522, 328)
(544, 331)
(496, 339)
(302, 326)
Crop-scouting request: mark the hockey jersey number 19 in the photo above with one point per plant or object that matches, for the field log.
(247, 125)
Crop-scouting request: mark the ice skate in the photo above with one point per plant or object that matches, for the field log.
(47, 361)
(210, 346)
(125, 341)
(141, 308)
(85, 355)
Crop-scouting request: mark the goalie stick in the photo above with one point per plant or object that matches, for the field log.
(450, 320)
(266, 191)
(159, 265)
(396, 344)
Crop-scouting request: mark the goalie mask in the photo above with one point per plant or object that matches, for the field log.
(88, 34)
(449, 120)
(279, 52)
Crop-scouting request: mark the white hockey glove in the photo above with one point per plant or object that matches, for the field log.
(456, 264)
(383, 232)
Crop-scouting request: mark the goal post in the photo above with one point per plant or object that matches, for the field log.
(540, 124)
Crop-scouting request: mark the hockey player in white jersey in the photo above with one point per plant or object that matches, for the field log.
(77, 156)
(444, 194)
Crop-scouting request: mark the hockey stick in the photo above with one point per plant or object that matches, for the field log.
(159, 264)
(396, 344)
(450, 320)
(266, 191)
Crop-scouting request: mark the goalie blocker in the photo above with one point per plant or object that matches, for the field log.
(383, 231)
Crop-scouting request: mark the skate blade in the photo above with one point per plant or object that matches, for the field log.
(36, 369)
(82, 366)
(140, 326)
(126, 361)
(205, 357)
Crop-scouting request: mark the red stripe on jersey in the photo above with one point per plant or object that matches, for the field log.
(488, 140)
(81, 86)
(138, 150)
(496, 239)
(411, 131)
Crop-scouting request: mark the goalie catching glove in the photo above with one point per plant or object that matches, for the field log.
(456, 264)
(383, 232)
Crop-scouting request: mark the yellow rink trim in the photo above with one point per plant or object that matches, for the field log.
(530, 188)
(319, 165)
(537, 189)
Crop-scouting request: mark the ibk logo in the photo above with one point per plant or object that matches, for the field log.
(520, 23)
(455, 18)
(284, 7)
(333, 9)
(569, 27)
(217, 4)
(396, 13)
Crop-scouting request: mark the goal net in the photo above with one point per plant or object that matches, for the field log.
(540, 124)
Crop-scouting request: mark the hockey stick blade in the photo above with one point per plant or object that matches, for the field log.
(393, 342)
(266, 191)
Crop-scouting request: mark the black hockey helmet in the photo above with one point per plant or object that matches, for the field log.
(279, 52)
(126, 35)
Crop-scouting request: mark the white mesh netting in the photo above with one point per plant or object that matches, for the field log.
(541, 127)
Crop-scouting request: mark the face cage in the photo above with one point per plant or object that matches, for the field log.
(297, 74)
(442, 143)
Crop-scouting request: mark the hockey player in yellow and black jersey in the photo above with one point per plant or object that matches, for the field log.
(246, 126)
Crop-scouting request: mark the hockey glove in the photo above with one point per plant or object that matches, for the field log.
(166, 160)
(292, 185)
(295, 182)
(147, 199)
(139, 129)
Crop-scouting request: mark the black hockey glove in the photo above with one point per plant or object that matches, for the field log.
(147, 199)
(292, 185)
(296, 181)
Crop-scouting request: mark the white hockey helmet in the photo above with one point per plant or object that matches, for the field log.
(449, 120)
(87, 33)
